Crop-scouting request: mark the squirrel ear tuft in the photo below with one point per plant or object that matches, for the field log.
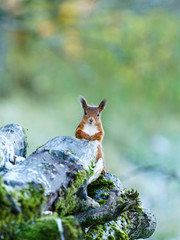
(102, 105)
(83, 102)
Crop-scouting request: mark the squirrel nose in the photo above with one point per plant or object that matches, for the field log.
(91, 120)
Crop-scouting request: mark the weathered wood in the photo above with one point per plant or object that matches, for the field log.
(108, 212)
(54, 165)
(13, 144)
(55, 177)
(120, 210)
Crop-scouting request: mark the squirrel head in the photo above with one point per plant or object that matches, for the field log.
(92, 114)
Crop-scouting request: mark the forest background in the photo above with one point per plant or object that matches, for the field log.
(128, 52)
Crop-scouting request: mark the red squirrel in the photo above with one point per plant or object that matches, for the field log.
(90, 127)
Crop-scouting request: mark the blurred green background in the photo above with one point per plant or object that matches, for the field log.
(128, 52)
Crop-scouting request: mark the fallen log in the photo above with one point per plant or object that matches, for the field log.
(62, 178)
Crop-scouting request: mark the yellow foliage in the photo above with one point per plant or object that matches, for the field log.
(46, 28)
(68, 13)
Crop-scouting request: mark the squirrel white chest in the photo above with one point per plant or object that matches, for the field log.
(90, 130)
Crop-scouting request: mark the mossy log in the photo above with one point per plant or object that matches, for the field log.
(121, 215)
(62, 166)
(55, 178)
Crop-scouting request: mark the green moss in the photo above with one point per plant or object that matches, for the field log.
(104, 195)
(31, 200)
(102, 202)
(40, 229)
(47, 165)
(94, 221)
(109, 231)
(27, 224)
(5, 213)
(88, 236)
(19, 206)
(69, 203)
(100, 184)
(72, 229)
(91, 168)
(46, 228)
(40, 146)
(71, 151)
(99, 190)
(95, 233)
(132, 195)
(111, 238)
(92, 191)
(119, 232)
(80, 177)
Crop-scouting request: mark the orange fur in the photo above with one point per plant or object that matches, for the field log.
(90, 127)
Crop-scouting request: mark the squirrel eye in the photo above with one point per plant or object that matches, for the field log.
(98, 115)
(85, 112)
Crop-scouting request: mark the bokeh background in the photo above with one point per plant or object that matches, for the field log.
(128, 52)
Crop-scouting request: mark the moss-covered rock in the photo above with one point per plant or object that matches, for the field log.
(21, 210)
(117, 229)
(109, 231)
(19, 206)
(72, 229)
(55, 178)
(99, 189)
(69, 202)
